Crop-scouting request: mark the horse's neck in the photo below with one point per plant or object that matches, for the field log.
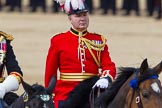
(18, 103)
(120, 99)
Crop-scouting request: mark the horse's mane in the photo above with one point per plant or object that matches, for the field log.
(37, 90)
(80, 95)
(38, 87)
(123, 74)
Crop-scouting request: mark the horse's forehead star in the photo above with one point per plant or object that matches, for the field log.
(155, 87)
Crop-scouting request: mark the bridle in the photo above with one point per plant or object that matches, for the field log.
(134, 84)
(138, 98)
(43, 97)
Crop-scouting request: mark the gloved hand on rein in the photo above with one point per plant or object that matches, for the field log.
(101, 83)
(9, 84)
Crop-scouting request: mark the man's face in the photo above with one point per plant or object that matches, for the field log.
(80, 21)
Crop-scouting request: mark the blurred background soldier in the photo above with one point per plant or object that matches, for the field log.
(150, 6)
(55, 7)
(108, 4)
(0, 5)
(129, 5)
(154, 5)
(8, 2)
(100, 4)
(157, 8)
(31, 3)
(90, 5)
(124, 5)
(36, 3)
(13, 4)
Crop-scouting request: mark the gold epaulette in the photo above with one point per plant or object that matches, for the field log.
(7, 36)
(96, 33)
(102, 37)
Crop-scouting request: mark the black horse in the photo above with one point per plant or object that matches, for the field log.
(35, 96)
(79, 97)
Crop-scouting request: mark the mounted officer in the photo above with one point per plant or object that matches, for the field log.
(78, 54)
(9, 64)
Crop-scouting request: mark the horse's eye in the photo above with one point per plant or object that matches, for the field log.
(145, 94)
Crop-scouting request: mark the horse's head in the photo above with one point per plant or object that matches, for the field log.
(36, 96)
(146, 89)
(134, 88)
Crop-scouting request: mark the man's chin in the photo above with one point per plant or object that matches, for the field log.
(83, 27)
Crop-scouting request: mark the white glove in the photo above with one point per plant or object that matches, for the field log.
(101, 83)
(9, 84)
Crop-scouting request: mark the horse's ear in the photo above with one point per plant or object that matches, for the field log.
(28, 88)
(144, 66)
(158, 68)
(51, 85)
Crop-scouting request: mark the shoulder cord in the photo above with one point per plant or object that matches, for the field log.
(98, 47)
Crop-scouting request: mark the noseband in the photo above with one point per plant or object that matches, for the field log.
(134, 84)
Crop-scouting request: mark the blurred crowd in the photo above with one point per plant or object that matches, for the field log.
(153, 7)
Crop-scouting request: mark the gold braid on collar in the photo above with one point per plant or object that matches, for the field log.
(7, 36)
(98, 47)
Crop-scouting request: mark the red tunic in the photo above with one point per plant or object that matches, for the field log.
(63, 55)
